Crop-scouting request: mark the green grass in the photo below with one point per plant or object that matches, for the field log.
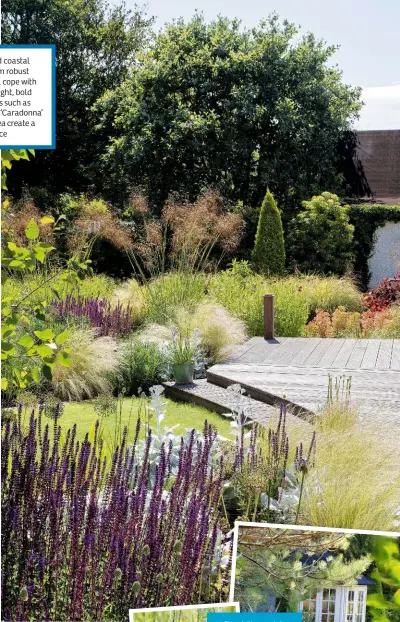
(180, 615)
(185, 415)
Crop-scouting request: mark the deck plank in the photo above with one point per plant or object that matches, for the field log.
(371, 354)
(385, 354)
(332, 352)
(297, 370)
(340, 361)
(285, 353)
(316, 355)
(357, 354)
(308, 347)
(395, 358)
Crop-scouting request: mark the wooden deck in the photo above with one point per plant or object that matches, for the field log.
(297, 370)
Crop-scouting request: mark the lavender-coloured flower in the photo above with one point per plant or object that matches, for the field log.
(99, 313)
(75, 520)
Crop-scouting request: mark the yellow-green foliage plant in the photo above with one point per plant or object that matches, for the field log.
(171, 291)
(321, 236)
(50, 285)
(181, 615)
(384, 604)
(268, 254)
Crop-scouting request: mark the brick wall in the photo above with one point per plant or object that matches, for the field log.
(379, 152)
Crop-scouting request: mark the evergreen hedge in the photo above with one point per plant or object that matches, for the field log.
(367, 218)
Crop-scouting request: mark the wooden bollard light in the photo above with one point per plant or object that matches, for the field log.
(269, 316)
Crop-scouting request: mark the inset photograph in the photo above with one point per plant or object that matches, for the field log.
(329, 575)
(190, 613)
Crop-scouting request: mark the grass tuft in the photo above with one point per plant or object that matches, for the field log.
(93, 361)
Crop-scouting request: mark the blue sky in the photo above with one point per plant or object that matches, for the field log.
(366, 30)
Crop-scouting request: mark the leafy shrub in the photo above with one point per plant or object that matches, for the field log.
(339, 324)
(384, 604)
(143, 365)
(82, 540)
(268, 254)
(92, 364)
(387, 292)
(321, 236)
(32, 356)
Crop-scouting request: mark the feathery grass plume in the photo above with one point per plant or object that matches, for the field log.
(84, 538)
(17, 218)
(96, 221)
(354, 483)
(92, 363)
(219, 331)
(199, 227)
(186, 236)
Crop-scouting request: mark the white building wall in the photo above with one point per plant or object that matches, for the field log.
(385, 259)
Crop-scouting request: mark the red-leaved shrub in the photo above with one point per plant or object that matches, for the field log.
(387, 292)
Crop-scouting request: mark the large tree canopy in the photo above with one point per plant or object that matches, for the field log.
(95, 44)
(213, 105)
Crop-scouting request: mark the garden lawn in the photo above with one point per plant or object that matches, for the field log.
(185, 415)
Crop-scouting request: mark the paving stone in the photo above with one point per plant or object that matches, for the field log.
(219, 399)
